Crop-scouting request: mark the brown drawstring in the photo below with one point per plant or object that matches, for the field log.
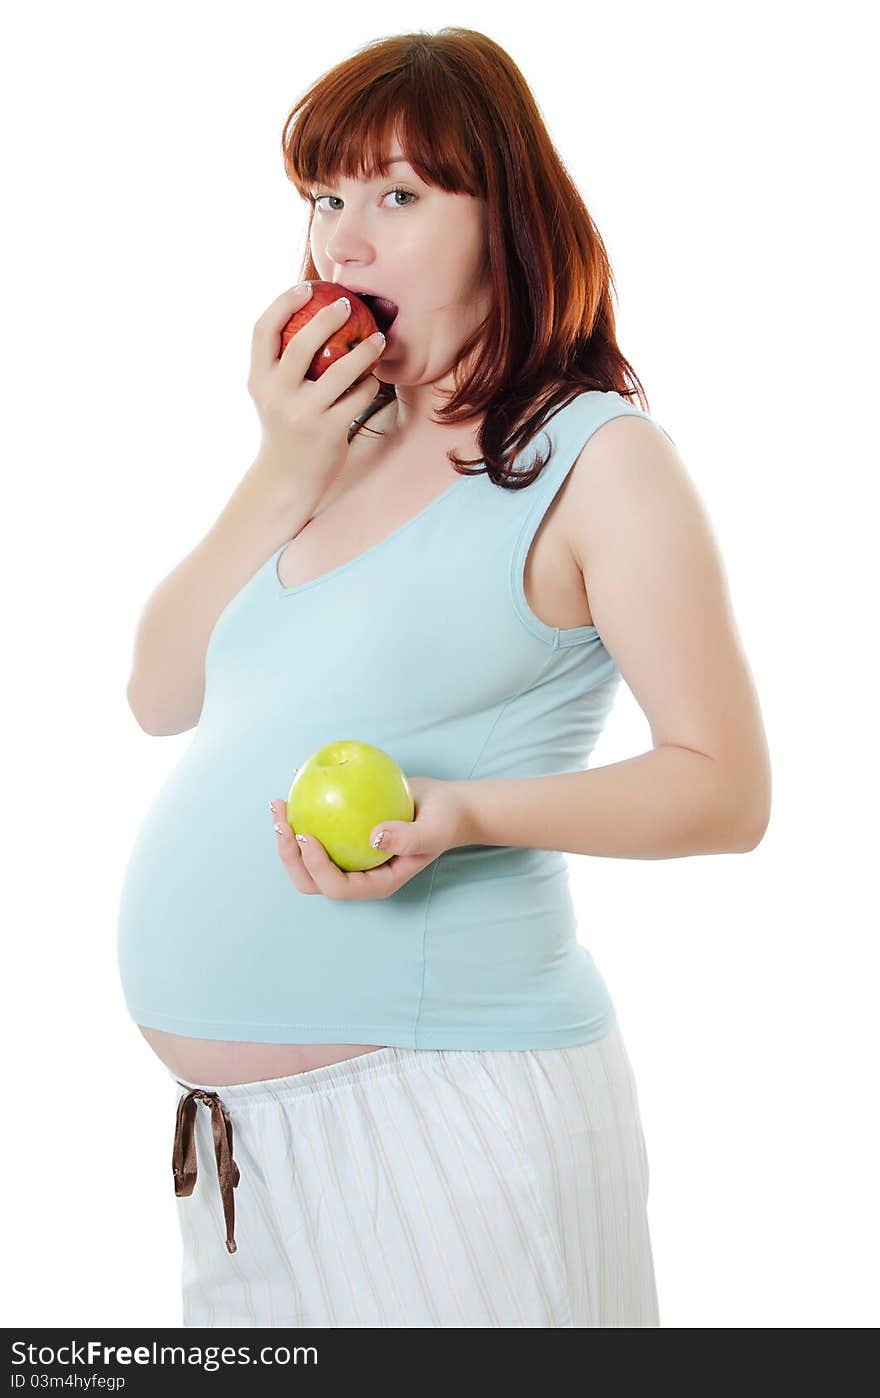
(183, 1158)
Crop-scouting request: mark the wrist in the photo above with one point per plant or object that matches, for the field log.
(288, 496)
(465, 817)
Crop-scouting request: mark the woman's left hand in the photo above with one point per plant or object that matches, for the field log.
(438, 825)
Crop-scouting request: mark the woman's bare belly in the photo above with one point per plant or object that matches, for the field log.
(219, 1062)
(337, 532)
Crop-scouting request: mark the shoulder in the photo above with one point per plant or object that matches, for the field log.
(619, 466)
(625, 435)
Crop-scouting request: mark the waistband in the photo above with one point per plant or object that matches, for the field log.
(377, 1063)
(184, 1163)
(244, 1096)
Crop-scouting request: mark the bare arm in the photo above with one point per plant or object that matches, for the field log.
(166, 688)
(305, 428)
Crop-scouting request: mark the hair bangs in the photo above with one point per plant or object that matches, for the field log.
(337, 131)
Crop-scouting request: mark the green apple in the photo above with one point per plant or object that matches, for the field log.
(340, 793)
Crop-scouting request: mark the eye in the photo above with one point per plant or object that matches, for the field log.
(398, 189)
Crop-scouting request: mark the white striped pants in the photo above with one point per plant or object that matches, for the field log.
(423, 1188)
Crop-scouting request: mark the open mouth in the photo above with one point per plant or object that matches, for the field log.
(384, 311)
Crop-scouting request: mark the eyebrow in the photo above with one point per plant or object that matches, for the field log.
(399, 161)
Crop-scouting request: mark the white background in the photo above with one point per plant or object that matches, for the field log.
(724, 154)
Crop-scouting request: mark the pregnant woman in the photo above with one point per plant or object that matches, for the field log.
(402, 1096)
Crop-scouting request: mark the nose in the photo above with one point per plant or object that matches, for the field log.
(348, 244)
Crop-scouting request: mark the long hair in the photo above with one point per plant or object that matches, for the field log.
(468, 123)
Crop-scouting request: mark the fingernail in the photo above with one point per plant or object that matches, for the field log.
(279, 829)
(377, 337)
(304, 287)
(301, 839)
(343, 304)
(378, 840)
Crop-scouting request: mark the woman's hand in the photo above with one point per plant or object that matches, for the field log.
(305, 422)
(438, 826)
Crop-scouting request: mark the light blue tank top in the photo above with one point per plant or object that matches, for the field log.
(425, 646)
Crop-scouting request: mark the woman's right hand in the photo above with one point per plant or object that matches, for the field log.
(305, 422)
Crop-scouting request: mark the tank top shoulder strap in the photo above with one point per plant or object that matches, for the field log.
(568, 431)
(572, 426)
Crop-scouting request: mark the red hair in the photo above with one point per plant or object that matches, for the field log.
(468, 123)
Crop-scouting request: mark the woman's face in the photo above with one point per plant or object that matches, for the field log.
(423, 248)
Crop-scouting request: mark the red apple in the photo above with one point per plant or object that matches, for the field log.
(368, 313)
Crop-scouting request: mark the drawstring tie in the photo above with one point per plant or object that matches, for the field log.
(183, 1159)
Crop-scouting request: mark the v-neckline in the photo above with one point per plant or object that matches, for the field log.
(358, 558)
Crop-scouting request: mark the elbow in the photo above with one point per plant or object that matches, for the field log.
(147, 728)
(142, 724)
(751, 843)
(149, 723)
(150, 730)
(155, 730)
(748, 811)
(761, 803)
(746, 792)
(755, 832)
